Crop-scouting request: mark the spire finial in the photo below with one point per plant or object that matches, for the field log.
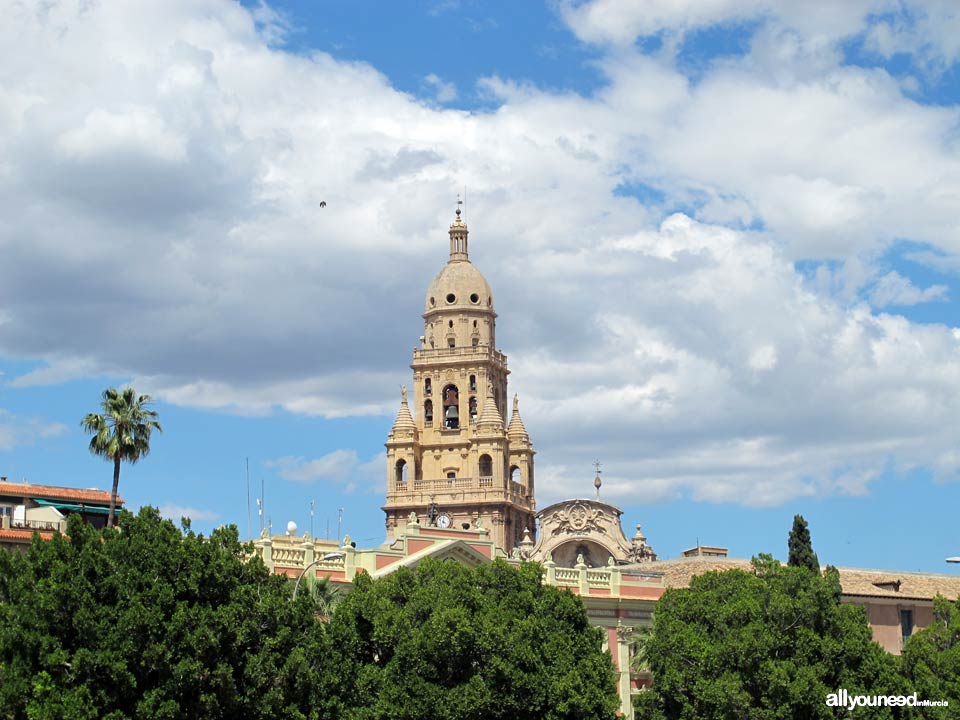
(597, 482)
(458, 236)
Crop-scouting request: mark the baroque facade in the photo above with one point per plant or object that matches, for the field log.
(452, 459)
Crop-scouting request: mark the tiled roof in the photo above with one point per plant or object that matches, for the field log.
(854, 581)
(677, 573)
(24, 535)
(897, 584)
(49, 492)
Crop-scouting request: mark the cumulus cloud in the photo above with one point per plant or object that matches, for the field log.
(17, 431)
(173, 511)
(445, 91)
(161, 219)
(894, 289)
(342, 467)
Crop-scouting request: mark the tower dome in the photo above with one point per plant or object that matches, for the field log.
(459, 285)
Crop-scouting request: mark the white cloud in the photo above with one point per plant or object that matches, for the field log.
(894, 289)
(18, 431)
(173, 511)
(342, 467)
(686, 352)
(445, 91)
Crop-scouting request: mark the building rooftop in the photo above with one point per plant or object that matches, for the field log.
(854, 581)
(50, 492)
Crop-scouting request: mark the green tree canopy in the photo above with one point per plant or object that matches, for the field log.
(121, 433)
(800, 547)
(931, 660)
(446, 641)
(151, 622)
(767, 644)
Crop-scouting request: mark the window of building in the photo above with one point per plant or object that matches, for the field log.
(401, 471)
(473, 408)
(514, 473)
(486, 466)
(906, 623)
(451, 342)
(451, 475)
(427, 387)
(428, 412)
(473, 383)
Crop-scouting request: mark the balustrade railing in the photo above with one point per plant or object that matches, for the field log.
(35, 525)
(289, 556)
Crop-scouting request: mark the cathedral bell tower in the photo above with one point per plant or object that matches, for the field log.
(451, 459)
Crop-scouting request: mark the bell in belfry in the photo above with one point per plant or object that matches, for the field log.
(452, 416)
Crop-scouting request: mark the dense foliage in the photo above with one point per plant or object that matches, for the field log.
(931, 660)
(800, 547)
(446, 641)
(767, 644)
(151, 622)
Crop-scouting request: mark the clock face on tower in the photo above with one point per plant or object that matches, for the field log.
(443, 521)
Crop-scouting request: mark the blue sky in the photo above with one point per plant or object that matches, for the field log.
(721, 238)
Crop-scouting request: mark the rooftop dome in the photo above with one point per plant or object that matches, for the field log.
(459, 285)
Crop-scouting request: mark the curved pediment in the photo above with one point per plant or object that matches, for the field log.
(587, 528)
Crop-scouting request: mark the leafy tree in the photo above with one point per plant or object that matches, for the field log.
(446, 641)
(800, 548)
(931, 660)
(153, 623)
(121, 433)
(768, 644)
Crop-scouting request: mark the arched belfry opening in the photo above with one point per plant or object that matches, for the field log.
(400, 471)
(486, 466)
(451, 407)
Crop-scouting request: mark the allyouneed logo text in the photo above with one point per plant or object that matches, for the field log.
(844, 699)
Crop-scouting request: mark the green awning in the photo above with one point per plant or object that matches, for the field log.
(73, 507)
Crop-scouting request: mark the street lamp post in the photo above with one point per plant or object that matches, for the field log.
(328, 556)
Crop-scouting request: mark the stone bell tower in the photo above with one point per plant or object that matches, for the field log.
(452, 459)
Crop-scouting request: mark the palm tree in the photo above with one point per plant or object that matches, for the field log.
(121, 432)
(324, 594)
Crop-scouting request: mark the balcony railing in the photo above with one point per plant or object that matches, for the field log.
(34, 525)
(467, 353)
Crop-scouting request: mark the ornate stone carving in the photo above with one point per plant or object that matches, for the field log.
(639, 550)
(579, 519)
(624, 632)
